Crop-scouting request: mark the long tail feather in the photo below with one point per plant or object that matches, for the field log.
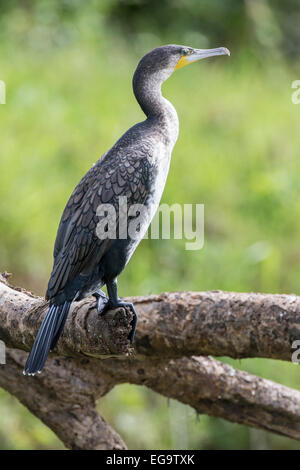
(47, 337)
(60, 325)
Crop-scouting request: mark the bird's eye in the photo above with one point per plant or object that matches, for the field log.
(186, 52)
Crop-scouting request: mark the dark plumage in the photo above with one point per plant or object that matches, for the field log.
(136, 167)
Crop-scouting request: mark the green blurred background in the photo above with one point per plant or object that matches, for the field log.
(68, 66)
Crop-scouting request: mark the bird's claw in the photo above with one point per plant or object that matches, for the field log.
(104, 304)
(102, 301)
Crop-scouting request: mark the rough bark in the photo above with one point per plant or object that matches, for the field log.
(173, 328)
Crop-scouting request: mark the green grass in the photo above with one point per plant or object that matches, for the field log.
(236, 154)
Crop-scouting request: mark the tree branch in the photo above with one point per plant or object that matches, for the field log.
(217, 389)
(172, 329)
(64, 399)
(170, 325)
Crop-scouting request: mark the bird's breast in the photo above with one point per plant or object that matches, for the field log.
(160, 163)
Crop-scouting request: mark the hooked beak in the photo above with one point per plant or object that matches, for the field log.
(198, 54)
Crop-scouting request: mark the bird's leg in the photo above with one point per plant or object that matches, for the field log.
(114, 302)
(102, 300)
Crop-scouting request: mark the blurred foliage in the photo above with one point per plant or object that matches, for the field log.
(68, 67)
(271, 26)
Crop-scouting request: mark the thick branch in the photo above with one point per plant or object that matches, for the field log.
(217, 389)
(170, 325)
(64, 399)
(85, 332)
(172, 329)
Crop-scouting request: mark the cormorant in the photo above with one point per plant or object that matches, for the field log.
(135, 168)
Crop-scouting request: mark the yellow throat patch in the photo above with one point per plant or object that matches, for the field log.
(181, 63)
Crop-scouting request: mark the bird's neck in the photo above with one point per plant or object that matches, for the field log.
(147, 90)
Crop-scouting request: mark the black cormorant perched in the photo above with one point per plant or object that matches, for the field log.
(135, 168)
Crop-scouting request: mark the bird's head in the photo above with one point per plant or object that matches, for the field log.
(164, 60)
